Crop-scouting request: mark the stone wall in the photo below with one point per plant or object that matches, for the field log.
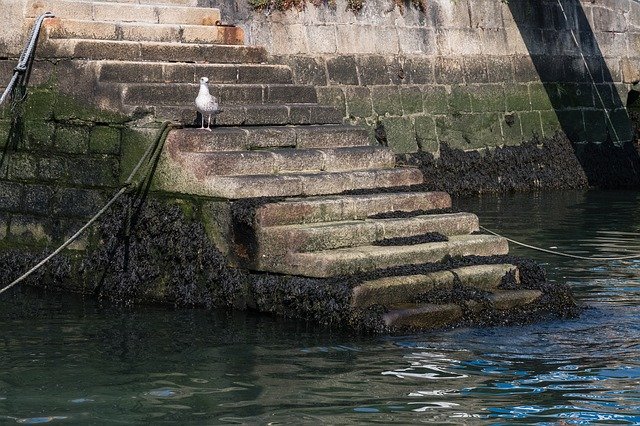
(59, 161)
(469, 73)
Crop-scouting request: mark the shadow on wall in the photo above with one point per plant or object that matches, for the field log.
(584, 92)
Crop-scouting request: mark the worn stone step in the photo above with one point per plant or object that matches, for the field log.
(288, 160)
(58, 28)
(429, 316)
(279, 240)
(347, 207)
(172, 176)
(257, 115)
(168, 72)
(227, 94)
(268, 137)
(347, 261)
(125, 12)
(391, 291)
(150, 51)
(423, 316)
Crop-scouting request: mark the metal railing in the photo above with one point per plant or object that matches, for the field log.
(22, 71)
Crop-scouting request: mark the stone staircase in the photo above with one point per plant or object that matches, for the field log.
(341, 206)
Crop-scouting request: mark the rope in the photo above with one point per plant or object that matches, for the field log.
(593, 82)
(559, 253)
(154, 147)
(26, 57)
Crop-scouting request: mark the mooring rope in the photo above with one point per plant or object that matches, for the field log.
(155, 148)
(559, 253)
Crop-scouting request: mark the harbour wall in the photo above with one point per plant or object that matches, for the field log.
(471, 74)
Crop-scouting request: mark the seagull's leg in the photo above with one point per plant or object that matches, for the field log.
(202, 121)
(209, 123)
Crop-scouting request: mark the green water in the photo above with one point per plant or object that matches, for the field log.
(70, 361)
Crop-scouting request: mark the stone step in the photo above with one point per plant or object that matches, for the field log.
(268, 137)
(150, 51)
(172, 176)
(348, 261)
(168, 72)
(227, 94)
(392, 291)
(279, 240)
(288, 160)
(133, 31)
(429, 316)
(257, 115)
(347, 207)
(125, 12)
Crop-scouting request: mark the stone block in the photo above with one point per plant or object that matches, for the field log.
(288, 39)
(609, 20)
(38, 135)
(300, 114)
(72, 139)
(10, 196)
(356, 39)
(51, 168)
(487, 98)
(104, 140)
(358, 101)
(531, 124)
(517, 97)
(333, 96)
(539, 97)
(550, 123)
(486, 14)
(435, 99)
(630, 69)
(322, 38)
(397, 74)
(386, 100)
(459, 99)
(426, 135)
(39, 105)
(449, 70)
(511, 129)
(30, 230)
(373, 70)
(494, 42)
(613, 45)
(324, 115)
(94, 172)
(342, 70)
(469, 131)
(475, 70)
(386, 40)
(4, 226)
(307, 70)
(524, 69)
(417, 40)
(550, 69)
(77, 202)
(595, 125)
(22, 166)
(5, 129)
(37, 199)
(419, 70)
(411, 99)
(401, 135)
(500, 69)
(620, 126)
(572, 123)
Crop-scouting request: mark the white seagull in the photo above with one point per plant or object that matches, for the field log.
(206, 104)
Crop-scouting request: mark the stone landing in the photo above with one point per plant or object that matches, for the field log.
(294, 194)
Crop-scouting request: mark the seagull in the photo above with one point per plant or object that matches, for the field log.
(207, 104)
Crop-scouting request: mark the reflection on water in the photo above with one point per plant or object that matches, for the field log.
(68, 361)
